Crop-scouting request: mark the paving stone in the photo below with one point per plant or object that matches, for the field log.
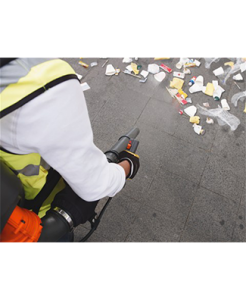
(174, 160)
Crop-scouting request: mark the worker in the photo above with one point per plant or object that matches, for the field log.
(46, 133)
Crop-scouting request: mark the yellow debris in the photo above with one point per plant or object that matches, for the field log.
(230, 63)
(181, 92)
(245, 108)
(209, 89)
(160, 58)
(176, 83)
(195, 120)
(135, 68)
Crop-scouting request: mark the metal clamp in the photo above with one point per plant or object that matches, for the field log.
(65, 216)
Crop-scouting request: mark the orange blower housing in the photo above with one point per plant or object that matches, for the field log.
(22, 226)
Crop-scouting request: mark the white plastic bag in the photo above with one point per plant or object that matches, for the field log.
(223, 116)
(209, 61)
(231, 70)
(239, 96)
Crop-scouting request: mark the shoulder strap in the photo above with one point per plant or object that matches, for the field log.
(52, 179)
(36, 93)
(5, 60)
(3, 149)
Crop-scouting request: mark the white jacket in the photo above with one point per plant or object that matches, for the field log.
(65, 140)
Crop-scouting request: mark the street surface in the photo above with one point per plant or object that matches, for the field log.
(190, 188)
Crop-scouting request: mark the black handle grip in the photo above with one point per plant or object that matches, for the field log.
(121, 145)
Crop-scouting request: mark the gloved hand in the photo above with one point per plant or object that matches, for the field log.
(133, 160)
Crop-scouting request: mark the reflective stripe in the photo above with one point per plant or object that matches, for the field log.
(20, 161)
(29, 170)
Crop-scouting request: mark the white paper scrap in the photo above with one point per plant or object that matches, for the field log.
(144, 73)
(127, 60)
(197, 128)
(197, 62)
(110, 70)
(190, 111)
(153, 68)
(243, 67)
(225, 105)
(179, 74)
(238, 77)
(218, 71)
(160, 76)
(79, 76)
(85, 86)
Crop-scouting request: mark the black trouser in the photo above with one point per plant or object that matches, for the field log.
(79, 210)
(55, 226)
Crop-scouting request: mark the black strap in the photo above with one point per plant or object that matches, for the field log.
(4, 150)
(36, 93)
(52, 179)
(5, 60)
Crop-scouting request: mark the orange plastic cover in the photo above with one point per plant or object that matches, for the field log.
(22, 226)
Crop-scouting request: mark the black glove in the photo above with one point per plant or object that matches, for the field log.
(133, 160)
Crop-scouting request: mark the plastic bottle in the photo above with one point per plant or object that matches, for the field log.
(217, 93)
(192, 81)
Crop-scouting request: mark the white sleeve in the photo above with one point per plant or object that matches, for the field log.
(56, 124)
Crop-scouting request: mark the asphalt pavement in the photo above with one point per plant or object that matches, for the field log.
(190, 188)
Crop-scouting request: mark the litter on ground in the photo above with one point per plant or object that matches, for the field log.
(179, 85)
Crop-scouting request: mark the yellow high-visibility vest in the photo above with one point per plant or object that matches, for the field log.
(38, 76)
